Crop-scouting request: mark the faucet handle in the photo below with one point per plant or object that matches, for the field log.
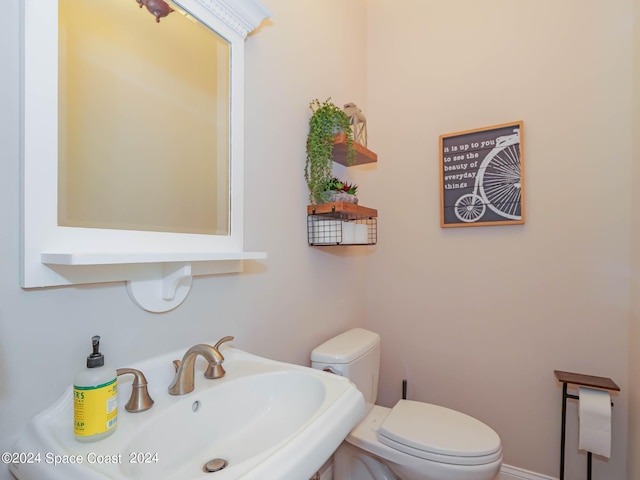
(221, 341)
(176, 365)
(140, 399)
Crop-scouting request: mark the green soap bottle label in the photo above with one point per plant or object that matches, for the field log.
(95, 409)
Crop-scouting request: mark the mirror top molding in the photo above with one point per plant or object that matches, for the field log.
(242, 16)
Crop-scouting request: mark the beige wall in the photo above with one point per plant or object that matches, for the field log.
(478, 318)
(633, 452)
(475, 318)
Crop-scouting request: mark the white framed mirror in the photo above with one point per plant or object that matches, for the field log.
(69, 234)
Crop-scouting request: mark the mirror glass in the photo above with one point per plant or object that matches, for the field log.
(144, 114)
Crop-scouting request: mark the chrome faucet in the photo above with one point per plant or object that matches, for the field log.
(140, 399)
(185, 369)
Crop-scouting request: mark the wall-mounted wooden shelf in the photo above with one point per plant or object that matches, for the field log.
(342, 210)
(363, 154)
(341, 223)
(344, 223)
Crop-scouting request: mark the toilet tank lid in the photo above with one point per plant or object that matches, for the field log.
(346, 347)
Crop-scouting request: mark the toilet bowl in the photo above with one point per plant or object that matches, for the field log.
(411, 441)
(441, 457)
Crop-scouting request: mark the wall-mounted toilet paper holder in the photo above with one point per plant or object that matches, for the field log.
(579, 379)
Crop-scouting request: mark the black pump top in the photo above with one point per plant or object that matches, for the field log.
(96, 359)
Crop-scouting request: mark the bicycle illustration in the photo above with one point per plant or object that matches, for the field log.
(497, 184)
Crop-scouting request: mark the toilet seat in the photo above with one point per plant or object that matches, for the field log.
(439, 434)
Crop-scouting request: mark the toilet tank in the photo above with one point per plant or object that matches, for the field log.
(354, 354)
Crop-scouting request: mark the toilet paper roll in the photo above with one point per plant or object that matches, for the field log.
(594, 413)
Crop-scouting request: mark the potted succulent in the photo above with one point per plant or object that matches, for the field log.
(327, 120)
(340, 191)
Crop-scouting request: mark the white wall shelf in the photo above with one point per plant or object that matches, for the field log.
(95, 258)
(156, 281)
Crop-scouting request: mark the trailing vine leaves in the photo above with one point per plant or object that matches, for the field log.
(326, 121)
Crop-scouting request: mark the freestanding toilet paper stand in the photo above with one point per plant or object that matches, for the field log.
(586, 381)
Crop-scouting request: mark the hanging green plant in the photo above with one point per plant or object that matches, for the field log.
(326, 121)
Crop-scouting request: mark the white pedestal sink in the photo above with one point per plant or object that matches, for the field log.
(268, 420)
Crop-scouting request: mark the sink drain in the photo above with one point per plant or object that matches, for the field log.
(214, 465)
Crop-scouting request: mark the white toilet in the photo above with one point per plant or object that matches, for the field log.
(412, 440)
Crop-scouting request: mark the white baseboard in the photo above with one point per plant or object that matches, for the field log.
(507, 472)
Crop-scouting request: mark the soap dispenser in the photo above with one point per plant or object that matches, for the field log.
(95, 398)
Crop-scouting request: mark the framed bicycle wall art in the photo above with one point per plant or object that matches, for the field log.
(482, 176)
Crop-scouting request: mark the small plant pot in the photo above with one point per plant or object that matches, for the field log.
(338, 196)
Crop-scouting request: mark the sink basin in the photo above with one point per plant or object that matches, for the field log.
(265, 419)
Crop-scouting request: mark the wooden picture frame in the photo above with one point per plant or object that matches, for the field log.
(482, 176)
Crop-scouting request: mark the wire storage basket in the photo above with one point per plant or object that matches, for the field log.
(341, 224)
